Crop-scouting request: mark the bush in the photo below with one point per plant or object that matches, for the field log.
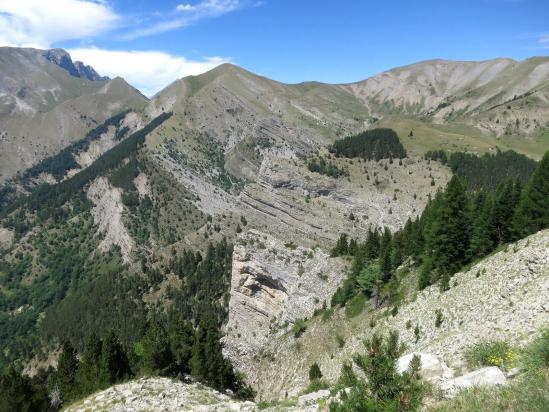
(298, 328)
(314, 372)
(496, 353)
(316, 385)
(438, 318)
(382, 389)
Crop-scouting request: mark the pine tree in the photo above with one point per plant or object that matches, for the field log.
(157, 356)
(314, 372)
(383, 389)
(385, 252)
(342, 246)
(181, 336)
(17, 393)
(114, 361)
(66, 370)
(502, 214)
(90, 365)
(532, 212)
(482, 233)
(371, 249)
(448, 236)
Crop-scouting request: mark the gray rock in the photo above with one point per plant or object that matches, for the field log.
(313, 398)
(490, 376)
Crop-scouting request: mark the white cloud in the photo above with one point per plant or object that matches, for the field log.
(149, 71)
(186, 13)
(544, 38)
(40, 23)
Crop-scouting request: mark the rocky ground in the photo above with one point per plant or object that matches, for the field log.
(163, 394)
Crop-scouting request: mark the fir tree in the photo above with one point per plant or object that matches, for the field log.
(385, 252)
(482, 233)
(157, 356)
(448, 236)
(314, 372)
(89, 371)
(114, 361)
(502, 214)
(532, 212)
(67, 368)
(371, 248)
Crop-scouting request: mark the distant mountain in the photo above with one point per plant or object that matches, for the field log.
(47, 102)
(76, 69)
(500, 96)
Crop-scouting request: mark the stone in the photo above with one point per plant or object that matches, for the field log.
(490, 376)
(313, 398)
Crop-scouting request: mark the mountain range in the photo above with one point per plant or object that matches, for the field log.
(230, 202)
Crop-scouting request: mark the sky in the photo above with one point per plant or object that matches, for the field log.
(152, 43)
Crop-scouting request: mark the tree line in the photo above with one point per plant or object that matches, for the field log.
(486, 172)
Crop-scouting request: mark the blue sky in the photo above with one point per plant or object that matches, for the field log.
(151, 43)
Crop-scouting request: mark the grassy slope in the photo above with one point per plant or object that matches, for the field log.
(460, 138)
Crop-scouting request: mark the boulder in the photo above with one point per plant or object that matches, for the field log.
(431, 367)
(490, 376)
(313, 398)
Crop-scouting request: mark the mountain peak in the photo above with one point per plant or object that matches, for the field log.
(63, 59)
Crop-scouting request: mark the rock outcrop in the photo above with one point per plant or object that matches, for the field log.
(272, 286)
(107, 215)
(490, 376)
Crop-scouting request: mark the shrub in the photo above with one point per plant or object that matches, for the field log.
(316, 385)
(417, 333)
(496, 353)
(524, 394)
(438, 318)
(298, 328)
(383, 389)
(314, 372)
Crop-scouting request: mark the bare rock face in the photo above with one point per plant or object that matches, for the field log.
(273, 285)
(107, 214)
(6, 238)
